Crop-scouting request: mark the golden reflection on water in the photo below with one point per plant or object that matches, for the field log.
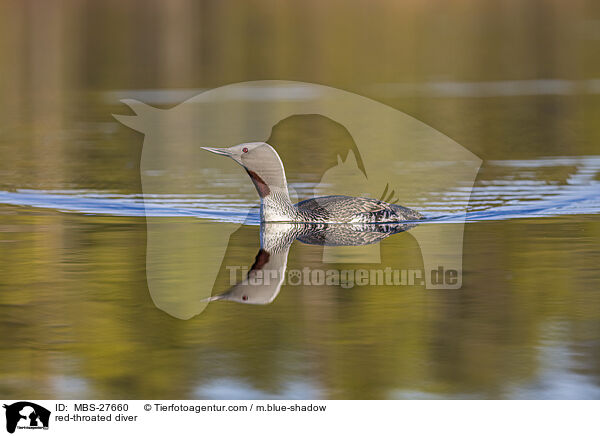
(81, 321)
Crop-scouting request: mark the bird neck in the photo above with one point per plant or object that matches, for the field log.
(271, 185)
(277, 206)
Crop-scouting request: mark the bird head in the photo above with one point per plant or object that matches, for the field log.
(262, 163)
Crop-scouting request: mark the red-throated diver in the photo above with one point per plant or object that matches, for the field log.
(263, 165)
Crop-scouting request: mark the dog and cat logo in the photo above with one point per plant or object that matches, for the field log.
(26, 415)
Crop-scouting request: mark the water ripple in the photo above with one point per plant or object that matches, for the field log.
(517, 192)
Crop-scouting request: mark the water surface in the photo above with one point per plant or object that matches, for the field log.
(516, 83)
(74, 296)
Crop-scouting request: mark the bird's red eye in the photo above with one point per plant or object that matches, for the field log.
(244, 297)
(245, 150)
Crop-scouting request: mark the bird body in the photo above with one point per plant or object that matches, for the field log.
(263, 165)
(344, 209)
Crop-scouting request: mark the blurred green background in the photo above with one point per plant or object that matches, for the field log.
(506, 79)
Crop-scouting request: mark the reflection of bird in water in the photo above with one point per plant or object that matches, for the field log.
(263, 165)
(267, 274)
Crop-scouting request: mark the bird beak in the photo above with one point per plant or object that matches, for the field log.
(214, 297)
(221, 151)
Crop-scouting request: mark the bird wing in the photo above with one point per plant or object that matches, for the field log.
(356, 209)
